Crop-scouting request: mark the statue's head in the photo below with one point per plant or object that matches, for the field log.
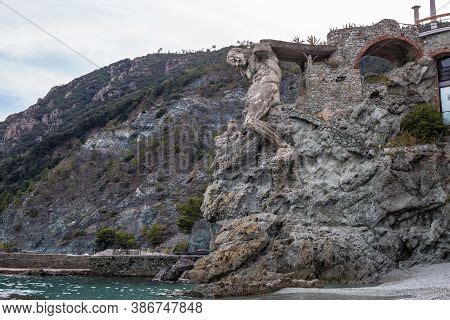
(239, 57)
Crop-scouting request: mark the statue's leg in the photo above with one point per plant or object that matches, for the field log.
(264, 129)
(261, 99)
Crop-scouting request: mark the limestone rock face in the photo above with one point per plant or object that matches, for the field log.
(337, 209)
(200, 238)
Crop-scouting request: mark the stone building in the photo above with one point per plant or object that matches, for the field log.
(334, 73)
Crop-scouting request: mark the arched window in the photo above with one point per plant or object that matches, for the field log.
(393, 51)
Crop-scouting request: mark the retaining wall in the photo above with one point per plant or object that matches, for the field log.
(145, 266)
(47, 261)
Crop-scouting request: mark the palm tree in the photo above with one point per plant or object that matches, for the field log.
(313, 40)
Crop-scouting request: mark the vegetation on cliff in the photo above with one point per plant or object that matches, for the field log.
(425, 124)
(154, 234)
(90, 103)
(189, 213)
(109, 238)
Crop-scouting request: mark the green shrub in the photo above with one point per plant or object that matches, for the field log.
(175, 96)
(404, 139)
(7, 247)
(5, 200)
(380, 140)
(106, 213)
(113, 213)
(33, 212)
(155, 235)
(134, 163)
(377, 79)
(103, 211)
(108, 238)
(189, 213)
(160, 113)
(425, 124)
(78, 233)
(159, 188)
(181, 248)
(125, 240)
(18, 227)
(105, 238)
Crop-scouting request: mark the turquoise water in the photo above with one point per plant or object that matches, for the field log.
(87, 288)
(98, 288)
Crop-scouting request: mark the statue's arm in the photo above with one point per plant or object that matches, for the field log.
(262, 51)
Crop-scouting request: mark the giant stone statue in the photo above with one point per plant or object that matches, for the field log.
(261, 66)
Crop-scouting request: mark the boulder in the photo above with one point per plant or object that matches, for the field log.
(175, 272)
(237, 242)
(160, 274)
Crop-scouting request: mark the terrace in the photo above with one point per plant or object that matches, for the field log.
(434, 24)
(298, 52)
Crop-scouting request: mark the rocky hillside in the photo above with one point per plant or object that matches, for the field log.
(127, 147)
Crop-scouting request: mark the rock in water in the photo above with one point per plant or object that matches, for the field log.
(160, 274)
(175, 272)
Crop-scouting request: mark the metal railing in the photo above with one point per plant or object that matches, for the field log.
(438, 22)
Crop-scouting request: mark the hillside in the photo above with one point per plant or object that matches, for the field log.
(121, 148)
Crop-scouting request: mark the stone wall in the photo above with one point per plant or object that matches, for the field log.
(146, 266)
(41, 261)
(351, 41)
(143, 266)
(329, 85)
(437, 43)
(336, 84)
(435, 46)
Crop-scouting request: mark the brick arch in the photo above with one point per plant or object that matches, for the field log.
(440, 53)
(396, 49)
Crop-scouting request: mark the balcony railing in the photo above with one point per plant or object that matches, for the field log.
(434, 24)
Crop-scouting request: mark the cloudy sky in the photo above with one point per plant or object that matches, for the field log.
(104, 31)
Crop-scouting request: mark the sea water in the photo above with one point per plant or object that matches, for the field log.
(87, 288)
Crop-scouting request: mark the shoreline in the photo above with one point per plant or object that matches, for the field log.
(420, 282)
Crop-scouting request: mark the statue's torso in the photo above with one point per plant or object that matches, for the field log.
(266, 71)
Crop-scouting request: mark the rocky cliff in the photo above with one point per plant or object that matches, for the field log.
(342, 207)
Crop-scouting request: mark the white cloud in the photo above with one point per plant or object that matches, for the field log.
(24, 84)
(109, 30)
